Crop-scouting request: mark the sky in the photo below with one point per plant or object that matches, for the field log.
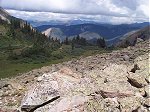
(106, 11)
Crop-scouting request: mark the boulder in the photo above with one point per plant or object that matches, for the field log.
(106, 94)
(49, 86)
(140, 109)
(31, 108)
(126, 58)
(9, 110)
(147, 91)
(116, 79)
(112, 104)
(73, 104)
(147, 103)
(147, 79)
(137, 80)
(136, 67)
(106, 105)
(129, 104)
(3, 84)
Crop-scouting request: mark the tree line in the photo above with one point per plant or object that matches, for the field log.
(100, 42)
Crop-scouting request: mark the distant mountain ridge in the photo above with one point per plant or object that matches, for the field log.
(37, 23)
(131, 38)
(111, 33)
(102, 29)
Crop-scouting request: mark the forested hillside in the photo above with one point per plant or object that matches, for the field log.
(23, 48)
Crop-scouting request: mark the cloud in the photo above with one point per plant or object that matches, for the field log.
(131, 4)
(97, 10)
(93, 7)
(48, 16)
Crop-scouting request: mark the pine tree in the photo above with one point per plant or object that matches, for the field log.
(72, 45)
(66, 41)
(101, 43)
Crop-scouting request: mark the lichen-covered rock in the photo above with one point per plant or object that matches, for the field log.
(106, 94)
(137, 80)
(49, 86)
(147, 91)
(97, 104)
(126, 58)
(128, 104)
(72, 104)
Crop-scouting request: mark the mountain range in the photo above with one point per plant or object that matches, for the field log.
(37, 23)
(111, 33)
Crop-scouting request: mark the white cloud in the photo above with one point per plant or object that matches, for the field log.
(64, 10)
(131, 4)
(93, 7)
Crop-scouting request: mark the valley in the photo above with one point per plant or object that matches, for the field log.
(23, 48)
(14, 62)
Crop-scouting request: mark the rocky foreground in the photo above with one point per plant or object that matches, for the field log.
(111, 82)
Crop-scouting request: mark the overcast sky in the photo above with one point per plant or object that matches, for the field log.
(109, 11)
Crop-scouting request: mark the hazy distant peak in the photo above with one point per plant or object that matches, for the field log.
(55, 33)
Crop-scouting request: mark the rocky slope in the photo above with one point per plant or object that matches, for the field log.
(111, 82)
(131, 38)
(5, 16)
